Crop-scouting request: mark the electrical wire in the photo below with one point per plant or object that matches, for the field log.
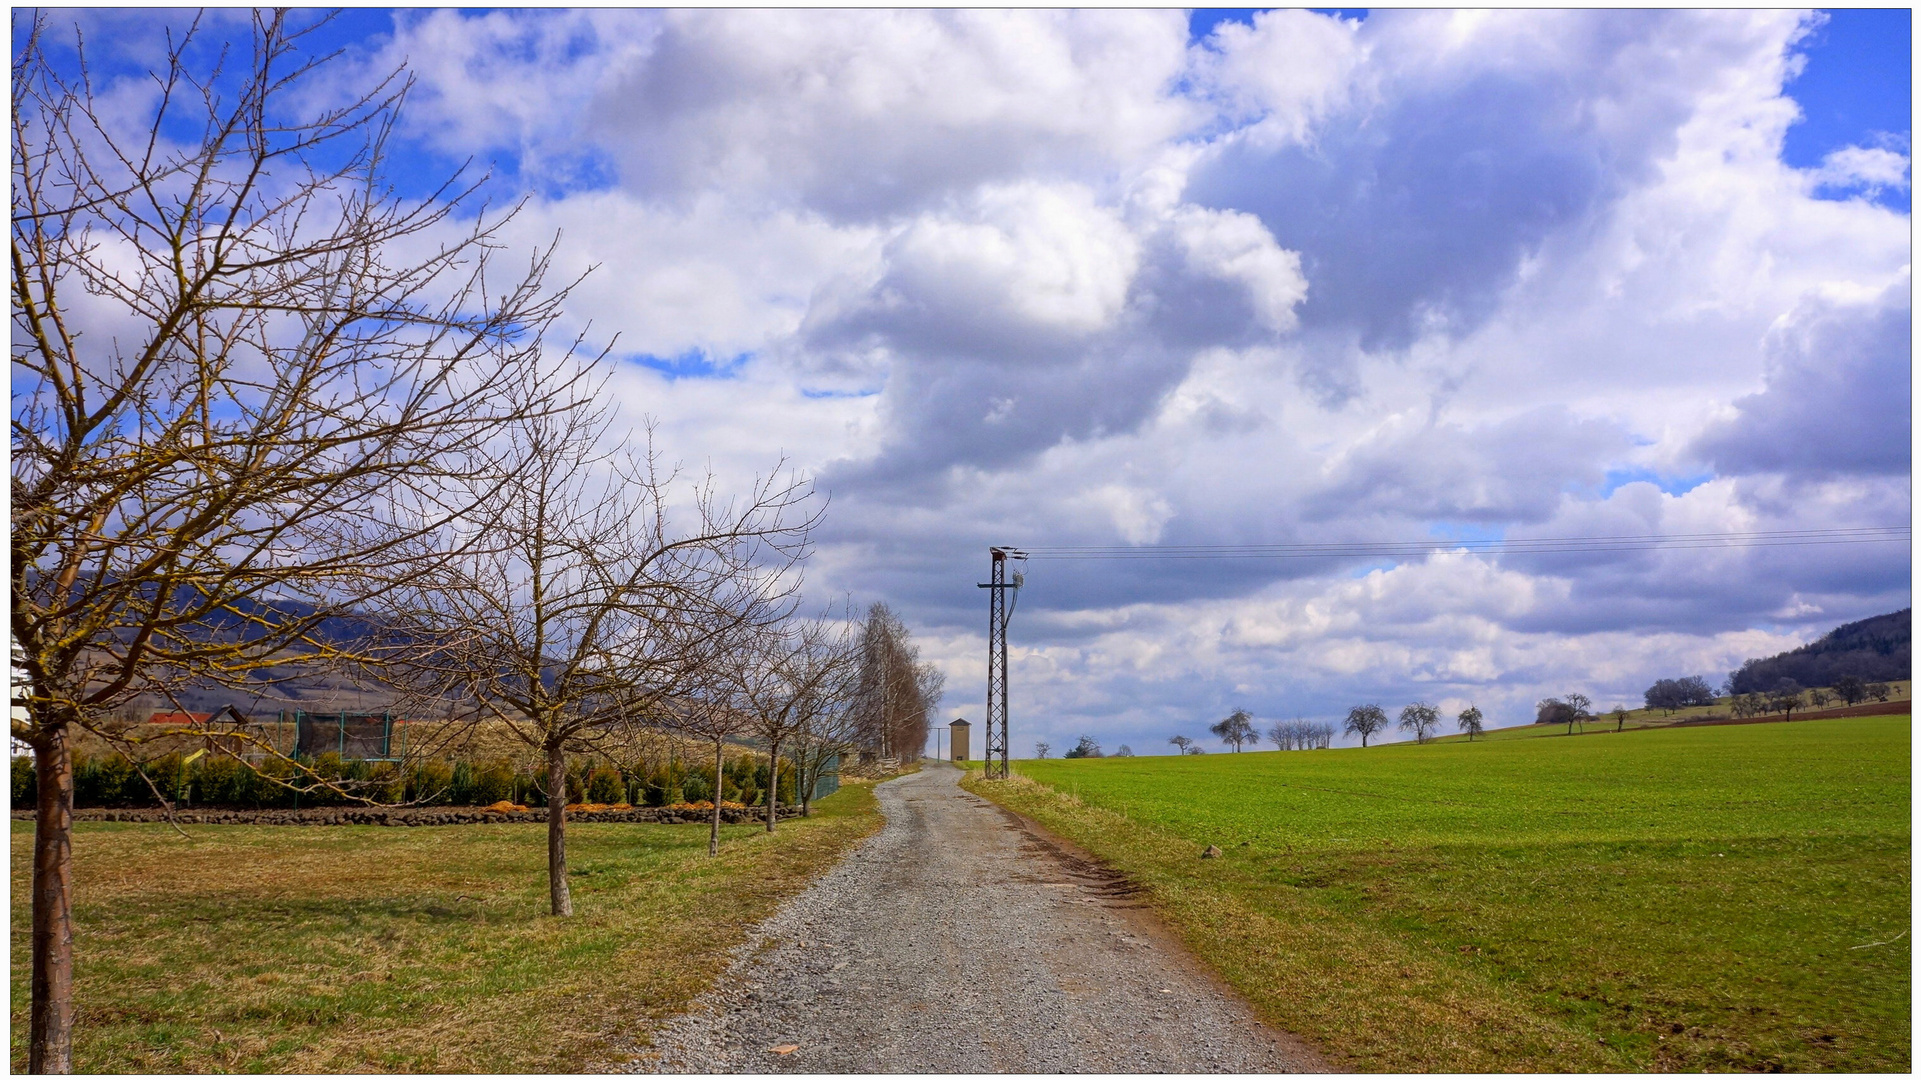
(1547, 545)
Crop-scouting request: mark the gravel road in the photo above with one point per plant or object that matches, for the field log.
(959, 939)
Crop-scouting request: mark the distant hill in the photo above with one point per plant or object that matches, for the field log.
(1872, 650)
(313, 688)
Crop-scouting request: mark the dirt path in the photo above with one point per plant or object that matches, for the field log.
(957, 940)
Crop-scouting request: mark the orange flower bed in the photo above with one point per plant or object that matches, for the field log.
(506, 807)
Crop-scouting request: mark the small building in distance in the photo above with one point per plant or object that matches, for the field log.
(226, 714)
(957, 740)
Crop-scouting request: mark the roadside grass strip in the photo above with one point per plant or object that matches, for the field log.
(1720, 898)
(361, 948)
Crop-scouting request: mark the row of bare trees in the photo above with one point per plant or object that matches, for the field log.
(895, 692)
(1298, 734)
(268, 416)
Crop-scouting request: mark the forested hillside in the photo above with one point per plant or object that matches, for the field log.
(1870, 650)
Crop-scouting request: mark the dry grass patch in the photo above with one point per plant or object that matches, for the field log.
(357, 948)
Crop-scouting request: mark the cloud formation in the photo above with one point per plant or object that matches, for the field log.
(1839, 379)
(1071, 278)
(865, 114)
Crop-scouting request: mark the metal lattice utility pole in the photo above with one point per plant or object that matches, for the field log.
(999, 609)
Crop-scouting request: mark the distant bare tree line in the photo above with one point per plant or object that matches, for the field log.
(1365, 721)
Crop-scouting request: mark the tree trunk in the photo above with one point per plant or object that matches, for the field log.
(773, 783)
(50, 1046)
(563, 898)
(713, 836)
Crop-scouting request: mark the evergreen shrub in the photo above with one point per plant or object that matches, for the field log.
(605, 785)
(216, 779)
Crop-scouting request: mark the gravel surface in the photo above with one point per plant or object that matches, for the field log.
(959, 939)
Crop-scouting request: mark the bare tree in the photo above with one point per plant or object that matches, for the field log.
(1238, 728)
(930, 686)
(1298, 734)
(1365, 720)
(1085, 748)
(803, 672)
(1420, 718)
(896, 691)
(1042, 749)
(1582, 707)
(829, 725)
(1671, 694)
(568, 605)
(1571, 710)
(1181, 743)
(1620, 718)
(1785, 698)
(1470, 721)
(232, 345)
(710, 708)
(1851, 689)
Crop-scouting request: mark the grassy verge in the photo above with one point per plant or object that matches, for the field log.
(1707, 898)
(351, 948)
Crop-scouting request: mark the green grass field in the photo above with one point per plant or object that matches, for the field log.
(361, 948)
(1707, 898)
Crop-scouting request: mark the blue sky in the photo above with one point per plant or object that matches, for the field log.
(1855, 88)
(1855, 84)
(1157, 277)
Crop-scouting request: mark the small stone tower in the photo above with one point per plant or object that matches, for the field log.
(957, 740)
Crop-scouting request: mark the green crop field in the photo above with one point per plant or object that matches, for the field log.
(1697, 898)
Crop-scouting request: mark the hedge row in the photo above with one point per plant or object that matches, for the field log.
(695, 813)
(212, 780)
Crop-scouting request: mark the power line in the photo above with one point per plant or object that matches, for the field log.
(1900, 534)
